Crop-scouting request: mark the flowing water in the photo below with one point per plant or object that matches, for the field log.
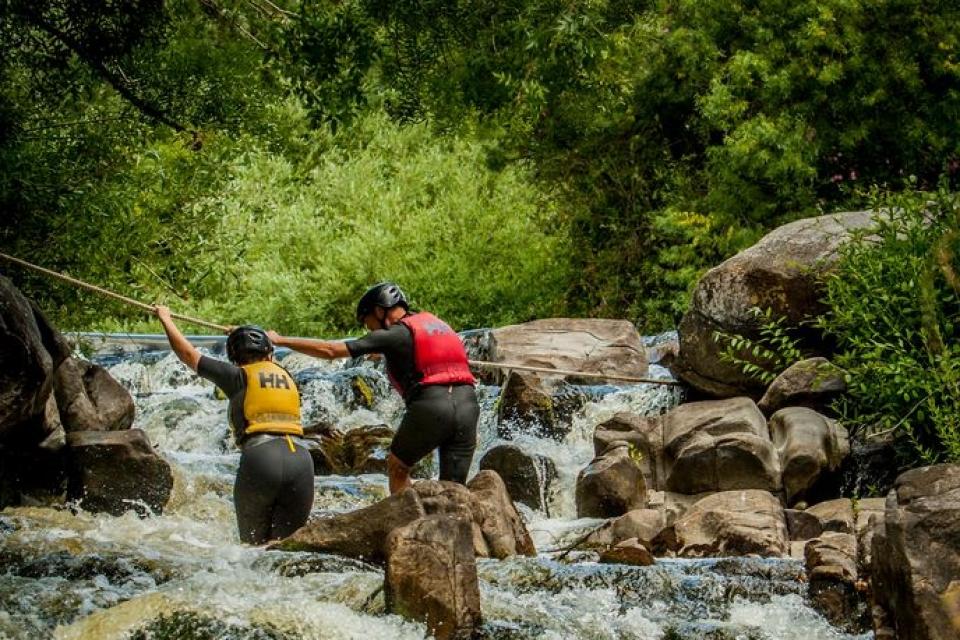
(68, 574)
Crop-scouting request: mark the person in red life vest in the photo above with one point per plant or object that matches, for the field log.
(427, 364)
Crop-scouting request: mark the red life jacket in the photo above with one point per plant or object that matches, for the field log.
(438, 355)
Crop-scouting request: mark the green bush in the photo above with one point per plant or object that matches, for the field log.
(297, 240)
(895, 313)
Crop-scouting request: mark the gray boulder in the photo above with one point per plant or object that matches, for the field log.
(611, 485)
(733, 523)
(782, 272)
(916, 555)
(528, 477)
(431, 575)
(89, 399)
(116, 471)
(813, 383)
(718, 445)
(811, 448)
(574, 344)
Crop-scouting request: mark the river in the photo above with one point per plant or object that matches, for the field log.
(68, 574)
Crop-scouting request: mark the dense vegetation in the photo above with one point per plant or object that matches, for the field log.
(263, 160)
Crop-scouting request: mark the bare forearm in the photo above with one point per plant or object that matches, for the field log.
(316, 348)
(187, 353)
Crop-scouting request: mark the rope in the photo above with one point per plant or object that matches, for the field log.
(109, 294)
(222, 328)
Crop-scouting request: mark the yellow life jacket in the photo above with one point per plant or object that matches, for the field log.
(271, 402)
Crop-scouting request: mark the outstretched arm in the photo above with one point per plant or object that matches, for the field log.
(316, 348)
(187, 353)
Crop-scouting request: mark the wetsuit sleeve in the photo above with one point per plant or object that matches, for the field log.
(386, 341)
(227, 376)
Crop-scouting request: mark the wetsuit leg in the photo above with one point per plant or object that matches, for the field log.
(273, 492)
(254, 491)
(456, 454)
(426, 425)
(295, 499)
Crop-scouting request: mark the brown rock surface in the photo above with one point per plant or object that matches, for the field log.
(733, 523)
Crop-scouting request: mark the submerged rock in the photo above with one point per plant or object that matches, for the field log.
(782, 272)
(115, 471)
(431, 575)
(535, 405)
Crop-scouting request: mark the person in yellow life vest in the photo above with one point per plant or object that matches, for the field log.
(273, 491)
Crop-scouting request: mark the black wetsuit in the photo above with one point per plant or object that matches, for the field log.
(440, 417)
(273, 491)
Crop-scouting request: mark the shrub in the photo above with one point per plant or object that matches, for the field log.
(895, 313)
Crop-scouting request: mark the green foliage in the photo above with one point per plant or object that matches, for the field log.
(769, 354)
(895, 313)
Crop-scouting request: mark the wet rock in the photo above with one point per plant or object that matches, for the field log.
(357, 534)
(834, 515)
(831, 563)
(199, 626)
(574, 344)
(811, 448)
(870, 469)
(813, 383)
(718, 445)
(431, 575)
(611, 485)
(916, 555)
(89, 399)
(802, 525)
(494, 512)
(783, 272)
(632, 552)
(115, 471)
(527, 476)
(733, 523)
(644, 435)
(536, 405)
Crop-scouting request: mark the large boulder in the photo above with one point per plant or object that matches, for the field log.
(811, 448)
(574, 344)
(916, 555)
(645, 437)
(813, 383)
(116, 471)
(611, 485)
(718, 445)
(782, 272)
(528, 477)
(357, 534)
(733, 523)
(89, 399)
(536, 405)
(30, 352)
(431, 575)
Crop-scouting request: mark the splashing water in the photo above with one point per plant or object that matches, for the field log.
(72, 575)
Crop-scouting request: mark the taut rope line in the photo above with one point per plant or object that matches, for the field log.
(224, 328)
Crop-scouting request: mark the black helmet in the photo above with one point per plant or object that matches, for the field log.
(385, 294)
(247, 344)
